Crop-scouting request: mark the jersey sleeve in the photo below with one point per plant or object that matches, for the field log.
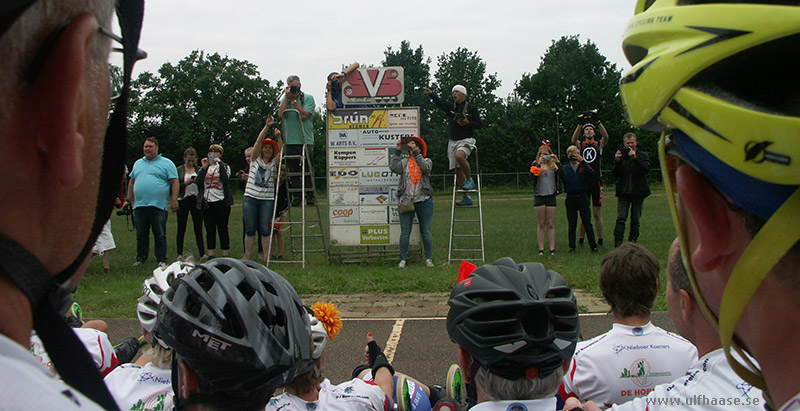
(567, 387)
(99, 347)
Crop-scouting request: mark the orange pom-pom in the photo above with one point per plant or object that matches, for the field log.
(536, 170)
(329, 316)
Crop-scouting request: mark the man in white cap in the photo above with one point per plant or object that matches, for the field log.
(463, 119)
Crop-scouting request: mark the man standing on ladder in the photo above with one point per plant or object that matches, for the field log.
(295, 110)
(463, 120)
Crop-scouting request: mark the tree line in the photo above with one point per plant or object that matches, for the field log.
(209, 98)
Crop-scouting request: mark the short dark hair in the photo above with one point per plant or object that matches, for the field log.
(679, 277)
(629, 280)
(152, 140)
(629, 134)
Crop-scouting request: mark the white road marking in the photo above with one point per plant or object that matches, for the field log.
(394, 338)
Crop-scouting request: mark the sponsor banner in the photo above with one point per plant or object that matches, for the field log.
(403, 118)
(343, 177)
(374, 157)
(384, 137)
(343, 215)
(414, 239)
(394, 215)
(374, 234)
(357, 119)
(346, 195)
(345, 235)
(374, 85)
(377, 195)
(342, 138)
(374, 214)
(377, 176)
(343, 157)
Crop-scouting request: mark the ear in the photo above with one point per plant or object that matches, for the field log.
(60, 95)
(189, 379)
(687, 305)
(713, 220)
(465, 362)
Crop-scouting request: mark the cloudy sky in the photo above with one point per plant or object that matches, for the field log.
(312, 38)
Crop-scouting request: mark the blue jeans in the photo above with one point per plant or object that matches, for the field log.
(257, 214)
(424, 212)
(635, 203)
(148, 218)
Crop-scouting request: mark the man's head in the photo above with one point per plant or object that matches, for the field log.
(731, 113)
(293, 81)
(629, 140)
(516, 326)
(239, 331)
(629, 280)
(150, 148)
(459, 93)
(588, 131)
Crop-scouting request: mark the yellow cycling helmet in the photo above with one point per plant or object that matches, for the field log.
(722, 75)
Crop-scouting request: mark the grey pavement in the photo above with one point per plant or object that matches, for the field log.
(410, 326)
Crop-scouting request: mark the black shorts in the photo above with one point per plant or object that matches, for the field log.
(549, 201)
(595, 192)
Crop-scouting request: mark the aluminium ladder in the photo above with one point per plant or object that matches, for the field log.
(466, 232)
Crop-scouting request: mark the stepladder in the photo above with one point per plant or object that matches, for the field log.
(302, 227)
(466, 219)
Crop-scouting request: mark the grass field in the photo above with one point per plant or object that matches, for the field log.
(510, 231)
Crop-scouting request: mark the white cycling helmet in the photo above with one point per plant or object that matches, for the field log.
(319, 337)
(152, 290)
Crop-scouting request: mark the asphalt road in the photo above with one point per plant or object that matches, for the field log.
(417, 347)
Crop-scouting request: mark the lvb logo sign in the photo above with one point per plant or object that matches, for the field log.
(374, 85)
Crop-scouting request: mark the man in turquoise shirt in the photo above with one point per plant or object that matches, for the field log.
(295, 111)
(154, 178)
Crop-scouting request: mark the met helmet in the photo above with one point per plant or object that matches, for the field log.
(238, 325)
(516, 320)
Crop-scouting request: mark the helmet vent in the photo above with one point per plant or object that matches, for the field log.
(204, 281)
(763, 77)
(246, 290)
(483, 297)
(634, 54)
(232, 326)
(278, 319)
(563, 292)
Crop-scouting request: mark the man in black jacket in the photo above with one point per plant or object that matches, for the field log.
(463, 119)
(630, 168)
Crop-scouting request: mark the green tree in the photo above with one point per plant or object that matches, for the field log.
(417, 71)
(203, 99)
(572, 78)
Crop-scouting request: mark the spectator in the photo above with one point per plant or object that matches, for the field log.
(635, 355)
(577, 176)
(55, 98)
(544, 171)
(463, 119)
(333, 98)
(148, 383)
(243, 177)
(215, 199)
(630, 168)
(258, 204)
(299, 129)
(592, 152)
(416, 191)
(187, 203)
(154, 178)
(710, 375)
(280, 216)
(263, 323)
(516, 326)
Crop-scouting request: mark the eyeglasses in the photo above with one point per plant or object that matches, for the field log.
(49, 42)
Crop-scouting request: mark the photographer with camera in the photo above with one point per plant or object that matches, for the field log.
(630, 168)
(333, 98)
(463, 120)
(592, 152)
(295, 110)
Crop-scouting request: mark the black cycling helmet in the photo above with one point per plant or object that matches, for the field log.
(238, 325)
(516, 320)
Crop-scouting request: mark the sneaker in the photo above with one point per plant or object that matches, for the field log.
(469, 184)
(402, 264)
(455, 384)
(138, 263)
(571, 250)
(541, 252)
(580, 242)
(106, 270)
(552, 252)
(594, 249)
(465, 201)
(127, 350)
(599, 242)
(429, 262)
(162, 265)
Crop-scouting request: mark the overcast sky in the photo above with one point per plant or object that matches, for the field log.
(311, 38)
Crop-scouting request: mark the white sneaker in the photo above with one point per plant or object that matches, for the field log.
(402, 264)
(429, 262)
(162, 265)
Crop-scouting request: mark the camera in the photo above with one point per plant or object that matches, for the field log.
(127, 210)
(459, 116)
(590, 115)
(624, 150)
(546, 157)
(294, 89)
(573, 157)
